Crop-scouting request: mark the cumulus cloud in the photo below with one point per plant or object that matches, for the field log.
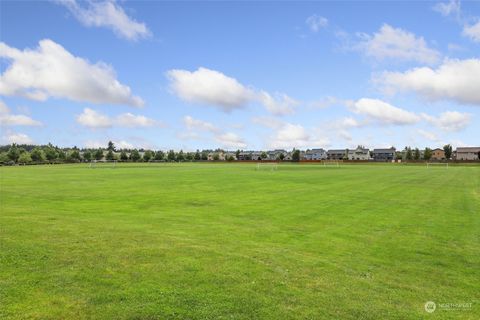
(52, 71)
(397, 44)
(230, 140)
(472, 31)
(449, 120)
(456, 80)
(94, 119)
(9, 119)
(131, 120)
(107, 14)
(453, 7)
(195, 124)
(210, 87)
(316, 22)
(295, 136)
(119, 144)
(383, 112)
(279, 105)
(18, 138)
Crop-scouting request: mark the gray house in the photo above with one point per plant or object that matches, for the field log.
(384, 154)
(337, 154)
(275, 154)
(468, 153)
(315, 154)
(360, 153)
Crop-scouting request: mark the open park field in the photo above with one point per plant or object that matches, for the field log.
(227, 241)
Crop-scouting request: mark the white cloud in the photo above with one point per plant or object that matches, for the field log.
(207, 86)
(230, 140)
(295, 136)
(280, 105)
(3, 108)
(349, 122)
(18, 138)
(472, 31)
(119, 144)
(8, 119)
(93, 119)
(107, 14)
(383, 112)
(456, 80)
(122, 144)
(131, 120)
(448, 8)
(449, 120)
(316, 22)
(195, 124)
(397, 44)
(52, 71)
(210, 87)
(428, 135)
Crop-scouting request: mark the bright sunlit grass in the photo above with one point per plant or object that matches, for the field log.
(211, 241)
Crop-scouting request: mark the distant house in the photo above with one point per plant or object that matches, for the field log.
(438, 154)
(467, 153)
(275, 154)
(336, 154)
(384, 154)
(360, 153)
(315, 154)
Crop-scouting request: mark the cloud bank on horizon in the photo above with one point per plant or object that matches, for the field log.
(312, 81)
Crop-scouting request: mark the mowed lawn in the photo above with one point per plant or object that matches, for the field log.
(225, 241)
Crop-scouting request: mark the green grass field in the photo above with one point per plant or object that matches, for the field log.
(224, 241)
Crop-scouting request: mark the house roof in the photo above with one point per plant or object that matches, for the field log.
(384, 150)
(468, 149)
(337, 151)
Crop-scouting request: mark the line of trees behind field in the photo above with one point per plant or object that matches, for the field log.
(31, 154)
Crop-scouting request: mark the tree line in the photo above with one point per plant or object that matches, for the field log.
(28, 154)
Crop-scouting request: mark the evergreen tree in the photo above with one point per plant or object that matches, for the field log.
(416, 154)
(159, 155)
(171, 155)
(135, 155)
(110, 155)
(448, 151)
(123, 156)
(37, 155)
(296, 155)
(428, 154)
(197, 155)
(13, 153)
(180, 156)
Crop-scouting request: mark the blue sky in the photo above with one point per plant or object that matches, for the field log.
(240, 75)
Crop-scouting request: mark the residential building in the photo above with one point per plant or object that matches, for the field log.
(360, 153)
(336, 154)
(315, 154)
(468, 153)
(384, 154)
(275, 154)
(438, 154)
